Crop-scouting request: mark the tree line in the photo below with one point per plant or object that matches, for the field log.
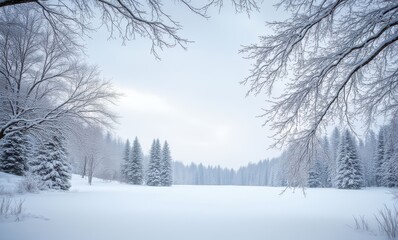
(340, 161)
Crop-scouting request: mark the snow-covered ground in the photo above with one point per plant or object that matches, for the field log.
(114, 211)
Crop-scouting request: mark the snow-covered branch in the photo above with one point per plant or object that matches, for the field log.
(44, 85)
(126, 19)
(337, 60)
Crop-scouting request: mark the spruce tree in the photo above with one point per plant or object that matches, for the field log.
(135, 169)
(329, 166)
(14, 154)
(349, 173)
(51, 166)
(367, 156)
(154, 166)
(388, 166)
(379, 157)
(335, 143)
(394, 168)
(314, 175)
(166, 170)
(125, 161)
(334, 148)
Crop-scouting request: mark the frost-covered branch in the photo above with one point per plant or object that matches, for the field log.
(43, 83)
(337, 60)
(126, 19)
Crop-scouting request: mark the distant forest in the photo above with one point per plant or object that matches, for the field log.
(340, 160)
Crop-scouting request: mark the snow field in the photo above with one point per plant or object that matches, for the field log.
(110, 210)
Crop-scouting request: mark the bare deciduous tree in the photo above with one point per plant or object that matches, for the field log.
(336, 59)
(126, 18)
(84, 168)
(90, 151)
(44, 86)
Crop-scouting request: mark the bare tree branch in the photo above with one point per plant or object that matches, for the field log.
(336, 59)
(42, 80)
(126, 18)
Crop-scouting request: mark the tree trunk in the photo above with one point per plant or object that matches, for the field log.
(2, 134)
(91, 170)
(84, 166)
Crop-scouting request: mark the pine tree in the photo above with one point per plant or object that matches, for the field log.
(367, 156)
(154, 166)
(135, 169)
(125, 161)
(51, 166)
(361, 157)
(166, 172)
(349, 173)
(329, 164)
(14, 154)
(389, 178)
(335, 142)
(379, 157)
(334, 148)
(394, 168)
(314, 175)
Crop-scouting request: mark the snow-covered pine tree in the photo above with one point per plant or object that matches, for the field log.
(394, 169)
(314, 174)
(333, 151)
(379, 157)
(389, 175)
(135, 168)
(361, 156)
(166, 173)
(14, 154)
(51, 166)
(387, 179)
(367, 158)
(349, 172)
(329, 164)
(154, 165)
(125, 161)
(335, 142)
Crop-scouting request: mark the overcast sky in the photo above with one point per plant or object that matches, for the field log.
(191, 98)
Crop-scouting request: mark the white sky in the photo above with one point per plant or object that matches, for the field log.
(191, 98)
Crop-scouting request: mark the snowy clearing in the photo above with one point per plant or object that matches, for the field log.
(110, 210)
